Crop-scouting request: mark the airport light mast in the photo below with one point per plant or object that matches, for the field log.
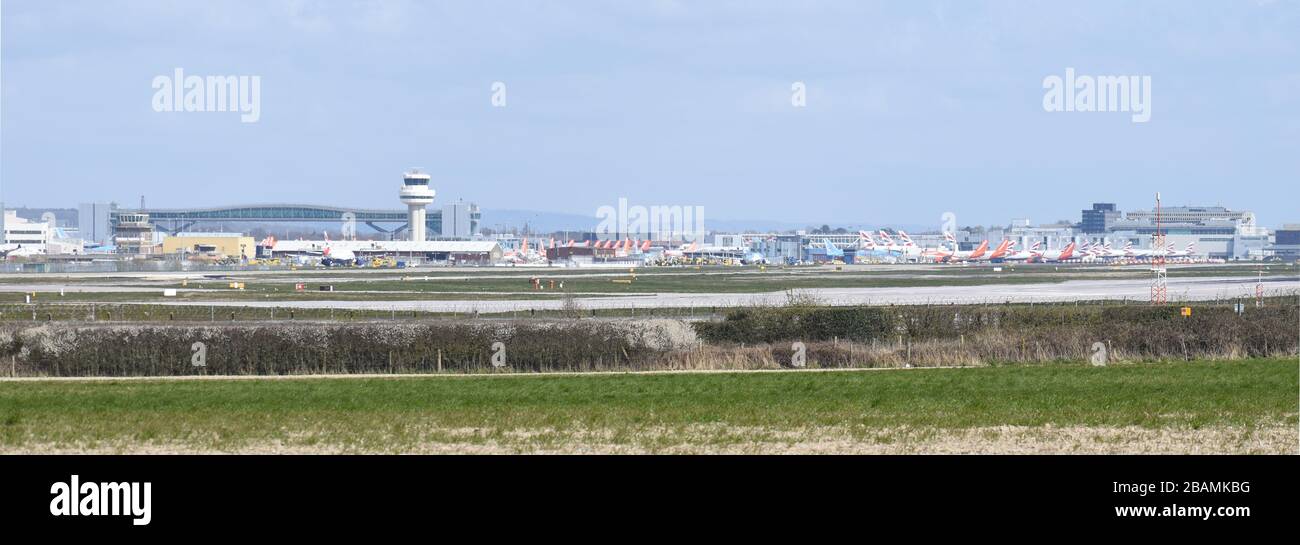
(1159, 288)
(416, 194)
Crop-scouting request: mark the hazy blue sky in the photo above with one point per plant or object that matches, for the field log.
(913, 108)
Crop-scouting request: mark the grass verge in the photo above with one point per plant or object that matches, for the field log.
(1242, 406)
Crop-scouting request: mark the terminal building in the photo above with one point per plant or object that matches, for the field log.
(1217, 232)
(93, 223)
(1286, 242)
(1098, 219)
(20, 233)
(460, 220)
(107, 223)
(133, 234)
(459, 252)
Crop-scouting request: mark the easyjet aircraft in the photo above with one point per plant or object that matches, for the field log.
(998, 253)
(1066, 253)
(946, 256)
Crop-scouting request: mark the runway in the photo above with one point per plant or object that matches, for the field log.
(1185, 289)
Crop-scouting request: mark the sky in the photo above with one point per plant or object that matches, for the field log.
(910, 109)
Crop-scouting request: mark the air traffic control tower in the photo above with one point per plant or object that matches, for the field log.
(416, 194)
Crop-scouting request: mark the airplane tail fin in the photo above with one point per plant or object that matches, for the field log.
(1001, 249)
(1067, 252)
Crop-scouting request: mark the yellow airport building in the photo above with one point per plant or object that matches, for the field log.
(211, 244)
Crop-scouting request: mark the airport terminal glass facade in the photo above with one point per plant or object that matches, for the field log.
(178, 219)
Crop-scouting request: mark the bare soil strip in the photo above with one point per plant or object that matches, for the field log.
(721, 439)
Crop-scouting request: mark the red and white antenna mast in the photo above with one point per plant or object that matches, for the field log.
(1159, 287)
(1259, 288)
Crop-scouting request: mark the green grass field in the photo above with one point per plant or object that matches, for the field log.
(1244, 406)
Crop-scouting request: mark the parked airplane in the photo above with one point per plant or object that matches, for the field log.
(890, 244)
(1030, 255)
(865, 242)
(330, 254)
(832, 252)
(1064, 254)
(997, 253)
(943, 255)
(18, 250)
(1189, 251)
(682, 250)
(524, 255)
(909, 249)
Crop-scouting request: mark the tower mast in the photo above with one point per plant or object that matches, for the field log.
(1159, 288)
